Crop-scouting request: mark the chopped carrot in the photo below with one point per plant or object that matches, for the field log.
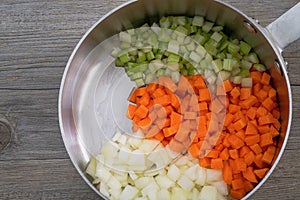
(176, 146)
(256, 148)
(141, 111)
(205, 162)
(190, 115)
(216, 163)
(241, 134)
(235, 92)
(245, 93)
(158, 93)
(234, 108)
(144, 123)
(266, 139)
(269, 104)
(251, 129)
(276, 113)
(251, 112)
(204, 94)
(260, 173)
(130, 111)
(163, 100)
(237, 184)
(269, 154)
(241, 164)
(249, 175)
(224, 154)
(169, 131)
(194, 150)
(248, 186)
(227, 174)
(132, 96)
(233, 153)
(265, 79)
(258, 160)
(249, 158)
(227, 85)
(274, 132)
(167, 82)
(256, 76)
(240, 124)
(237, 194)
(213, 154)
(235, 142)
(261, 95)
(249, 102)
(272, 94)
(175, 118)
(252, 139)
(266, 119)
(261, 111)
(244, 150)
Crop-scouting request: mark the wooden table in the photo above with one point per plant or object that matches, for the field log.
(36, 40)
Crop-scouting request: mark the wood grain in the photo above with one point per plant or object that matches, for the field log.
(36, 40)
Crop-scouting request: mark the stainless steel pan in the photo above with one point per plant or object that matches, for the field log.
(85, 116)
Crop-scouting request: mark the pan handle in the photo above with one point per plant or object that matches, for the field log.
(286, 28)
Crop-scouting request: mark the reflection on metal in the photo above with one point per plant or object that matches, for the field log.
(249, 27)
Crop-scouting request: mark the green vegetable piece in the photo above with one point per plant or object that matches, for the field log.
(233, 48)
(198, 21)
(139, 82)
(245, 48)
(207, 26)
(124, 58)
(218, 65)
(260, 67)
(135, 76)
(216, 36)
(125, 37)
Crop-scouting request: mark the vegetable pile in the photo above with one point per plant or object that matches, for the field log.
(204, 112)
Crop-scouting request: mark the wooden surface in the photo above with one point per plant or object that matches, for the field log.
(36, 40)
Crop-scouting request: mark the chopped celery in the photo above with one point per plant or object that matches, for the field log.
(119, 63)
(173, 46)
(182, 30)
(165, 22)
(236, 79)
(246, 82)
(141, 56)
(244, 72)
(207, 26)
(180, 45)
(173, 58)
(195, 57)
(125, 37)
(173, 66)
(115, 52)
(150, 56)
(139, 82)
(233, 48)
(216, 36)
(136, 75)
(228, 64)
(198, 21)
(124, 58)
(246, 64)
(259, 67)
(175, 76)
(224, 75)
(217, 28)
(218, 65)
(245, 48)
(252, 57)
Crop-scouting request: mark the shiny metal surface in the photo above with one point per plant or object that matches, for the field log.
(91, 87)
